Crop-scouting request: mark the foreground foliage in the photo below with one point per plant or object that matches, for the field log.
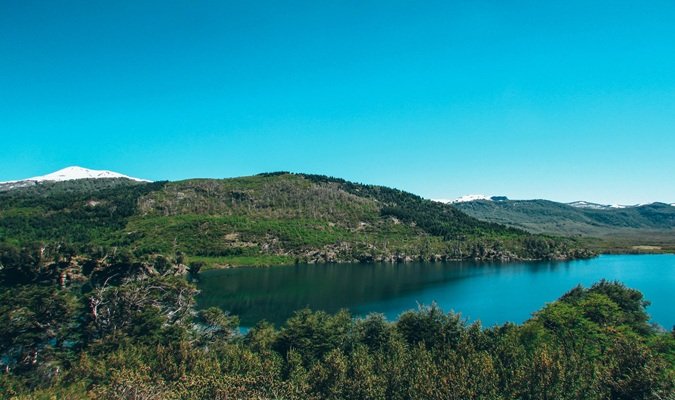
(129, 330)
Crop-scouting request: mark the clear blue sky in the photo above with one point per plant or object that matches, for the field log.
(563, 100)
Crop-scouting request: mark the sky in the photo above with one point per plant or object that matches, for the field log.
(563, 100)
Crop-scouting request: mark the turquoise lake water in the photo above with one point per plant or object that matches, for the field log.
(493, 293)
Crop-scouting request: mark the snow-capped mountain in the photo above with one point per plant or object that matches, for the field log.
(472, 197)
(72, 173)
(597, 206)
(577, 204)
(68, 174)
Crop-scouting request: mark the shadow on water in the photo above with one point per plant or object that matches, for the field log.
(492, 292)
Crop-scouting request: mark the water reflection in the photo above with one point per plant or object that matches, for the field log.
(491, 292)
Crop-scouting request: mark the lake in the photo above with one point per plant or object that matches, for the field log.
(493, 293)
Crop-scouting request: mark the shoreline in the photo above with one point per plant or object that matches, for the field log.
(627, 251)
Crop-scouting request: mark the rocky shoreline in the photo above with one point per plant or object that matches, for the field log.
(332, 257)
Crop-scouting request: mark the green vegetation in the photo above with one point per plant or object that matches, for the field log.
(260, 220)
(252, 261)
(127, 329)
(614, 230)
(96, 300)
(77, 213)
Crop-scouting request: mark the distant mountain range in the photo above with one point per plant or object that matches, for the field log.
(577, 204)
(649, 226)
(597, 206)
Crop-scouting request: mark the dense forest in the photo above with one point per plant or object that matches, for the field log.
(128, 329)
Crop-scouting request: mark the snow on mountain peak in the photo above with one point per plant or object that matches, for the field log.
(464, 199)
(597, 206)
(73, 173)
(588, 204)
(471, 197)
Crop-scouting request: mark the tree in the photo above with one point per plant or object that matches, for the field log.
(216, 325)
(430, 326)
(374, 331)
(36, 324)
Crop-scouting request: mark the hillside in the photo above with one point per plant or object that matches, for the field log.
(266, 219)
(646, 225)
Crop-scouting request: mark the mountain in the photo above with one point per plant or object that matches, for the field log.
(471, 197)
(595, 206)
(577, 204)
(67, 174)
(644, 225)
(265, 219)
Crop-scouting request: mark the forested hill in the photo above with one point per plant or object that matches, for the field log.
(265, 219)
